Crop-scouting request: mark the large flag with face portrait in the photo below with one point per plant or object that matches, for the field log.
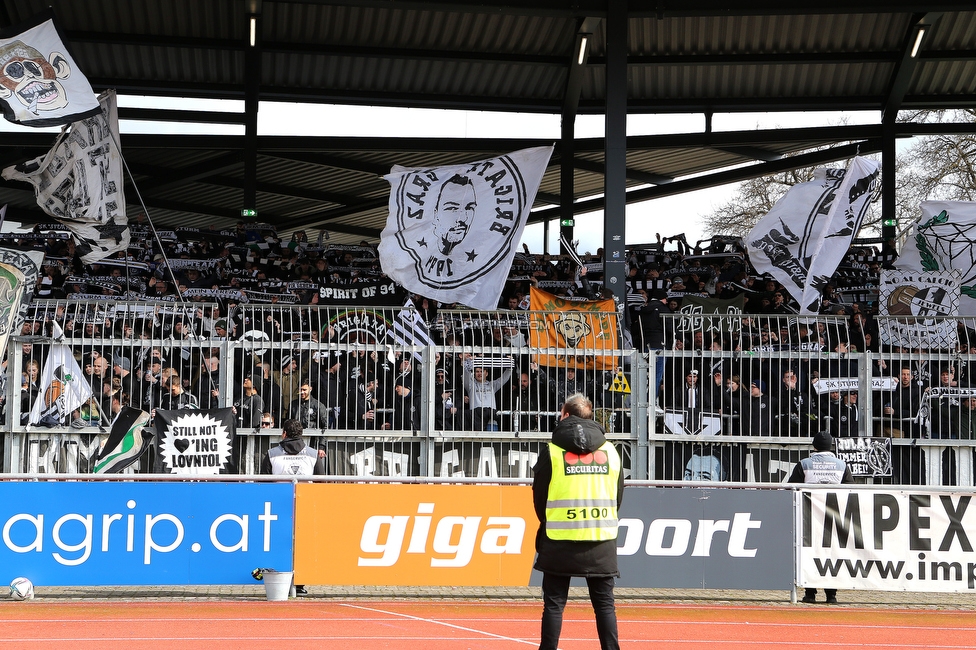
(453, 231)
(943, 239)
(803, 239)
(79, 182)
(40, 83)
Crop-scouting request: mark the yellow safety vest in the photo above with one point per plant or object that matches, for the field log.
(582, 499)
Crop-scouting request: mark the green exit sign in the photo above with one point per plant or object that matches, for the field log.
(248, 212)
(567, 223)
(890, 222)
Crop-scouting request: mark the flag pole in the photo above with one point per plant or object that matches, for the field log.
(152, 226)
(159, 243)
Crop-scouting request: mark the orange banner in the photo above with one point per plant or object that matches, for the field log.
(579, 330)
(416, 535)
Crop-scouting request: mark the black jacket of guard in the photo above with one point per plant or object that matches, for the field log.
(564, 557)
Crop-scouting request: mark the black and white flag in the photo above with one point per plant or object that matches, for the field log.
(409, 328)
(944, 239)
(453, 231)
(195, 442)
(79, 182)
(803, 239)
(40, 84)
(18, 276)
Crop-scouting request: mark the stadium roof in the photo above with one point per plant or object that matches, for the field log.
(699, 56)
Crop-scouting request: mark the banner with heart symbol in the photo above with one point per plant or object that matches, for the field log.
(196, 442)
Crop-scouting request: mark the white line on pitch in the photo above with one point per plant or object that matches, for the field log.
(437, 622)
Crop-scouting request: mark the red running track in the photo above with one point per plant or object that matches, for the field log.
(371, 625)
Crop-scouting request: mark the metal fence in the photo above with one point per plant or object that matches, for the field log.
(393, 392)
(384, 392)
(740, 396)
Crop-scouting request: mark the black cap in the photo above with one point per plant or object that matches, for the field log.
(823, 441)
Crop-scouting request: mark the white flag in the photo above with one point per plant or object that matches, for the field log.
(40, 84)
(453, 231)
(944, 239)
(63, 386)
(79, 182)
(803, 239)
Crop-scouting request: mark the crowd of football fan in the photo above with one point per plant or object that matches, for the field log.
(249, 283)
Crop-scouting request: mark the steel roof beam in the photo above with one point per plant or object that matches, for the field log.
(307, 148)
(754, 153)
(921, 26)
(724, 177)
(234, 216)
(285, 190)
(170, 178)
(333, 161)
(632, 174)
(718, 104)
(180, 115)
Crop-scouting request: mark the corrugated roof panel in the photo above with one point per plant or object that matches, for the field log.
(731, 35)
(954, 31)
(474, 29)
(161, 64)
(770, 81)
(178, 18)
(391, 76)
(945, 78)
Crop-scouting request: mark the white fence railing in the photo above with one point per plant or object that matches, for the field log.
(469, 394)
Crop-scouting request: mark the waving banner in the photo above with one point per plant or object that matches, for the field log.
(64, 394)
(452, 231)
(574, 333)
(40, 84)
(803, 239)
(79, 183)
(943, 239)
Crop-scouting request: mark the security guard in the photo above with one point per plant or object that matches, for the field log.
(292, 456)
(822, 466)
(577, 490)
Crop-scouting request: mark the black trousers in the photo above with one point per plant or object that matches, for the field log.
(555, 590)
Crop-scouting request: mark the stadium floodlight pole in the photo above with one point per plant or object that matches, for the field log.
(152, 226)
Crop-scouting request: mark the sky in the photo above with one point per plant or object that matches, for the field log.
(644, 220)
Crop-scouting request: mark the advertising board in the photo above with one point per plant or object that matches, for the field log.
(130, 533)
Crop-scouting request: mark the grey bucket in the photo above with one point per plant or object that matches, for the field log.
(277, 584)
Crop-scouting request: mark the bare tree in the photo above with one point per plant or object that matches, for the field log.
(938, 167)
(755, 197)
